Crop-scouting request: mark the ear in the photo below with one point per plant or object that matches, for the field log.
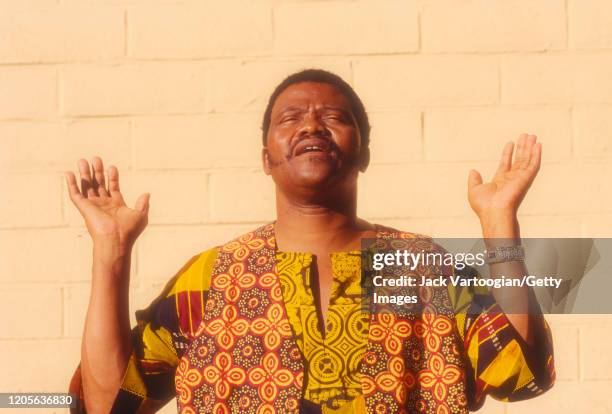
(265, 160)
(364, 159)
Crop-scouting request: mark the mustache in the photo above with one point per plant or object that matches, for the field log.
(331, 145)
(275, 162)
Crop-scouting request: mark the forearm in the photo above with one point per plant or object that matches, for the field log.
(106, 344)
(503, 230)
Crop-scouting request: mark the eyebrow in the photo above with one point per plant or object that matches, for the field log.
(336, 108)
(291, 109)
(327, 108)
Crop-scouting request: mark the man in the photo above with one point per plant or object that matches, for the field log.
(275, 320)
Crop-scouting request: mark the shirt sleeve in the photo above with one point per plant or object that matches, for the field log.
(501, 363)
(163, 331)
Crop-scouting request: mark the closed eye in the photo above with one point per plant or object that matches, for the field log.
(338, 118)
(288, 119)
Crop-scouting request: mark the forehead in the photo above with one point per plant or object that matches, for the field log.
(307, 93)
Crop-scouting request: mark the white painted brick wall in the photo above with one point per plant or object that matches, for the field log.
(172, 92)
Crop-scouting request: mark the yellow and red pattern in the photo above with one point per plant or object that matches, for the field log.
(431, 328)
(268, 382)
(233, 332)
(227, 328)
(273, 327)
(391, 331)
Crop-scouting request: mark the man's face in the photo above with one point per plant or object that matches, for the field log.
(313, 141)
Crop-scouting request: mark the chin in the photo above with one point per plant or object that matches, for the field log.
(315, 179)
(317, 174)
(323, 177)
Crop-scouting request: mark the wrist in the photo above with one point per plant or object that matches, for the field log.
(500, 225)
(110, 253)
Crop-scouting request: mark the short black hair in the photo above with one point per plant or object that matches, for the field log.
(321, 76)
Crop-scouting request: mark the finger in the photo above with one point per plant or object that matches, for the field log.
(519, 155)
(536, 157)
(113, 179)
(506, 159)
(142, 204)
(474, 179)
(86, 182)
(76, 197)
(98, 176)
(73, 188)
(529, 142)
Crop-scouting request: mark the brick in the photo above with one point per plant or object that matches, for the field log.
(583, 181)
(494, 407)
(445, 227)
(459, 134)
(493, 26)
(25, 357)
(125, 2)
(565, 343)
(590, 24)
(175, 197)
(198, 142)
(55, 146)
(406, 81)
(595, 361)
(567, 397)
(31, 200)
(49, 255)
(147, 88)
(415, 191)
(597, 225)
(395, 137)
(10, 5)
(605, 189)
(245, 86)
(592, 129)
(550, 226)
(75, 302)
(241, 197)
(346, 28)
(61, 33)
(162, 251)
(28, 92)
(531, 226)
(39, 301)
(556, 78)
(229, 28)
(578, 320)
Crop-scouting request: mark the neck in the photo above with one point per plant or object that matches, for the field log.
(304, 225)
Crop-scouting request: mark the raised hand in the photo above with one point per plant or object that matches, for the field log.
(106, 215)
(504, 193)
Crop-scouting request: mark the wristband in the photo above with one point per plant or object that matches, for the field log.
(505, 254)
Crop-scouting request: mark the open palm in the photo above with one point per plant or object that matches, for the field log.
(511, 181)
(103, 207)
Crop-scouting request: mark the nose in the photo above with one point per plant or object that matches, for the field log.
(312, 125)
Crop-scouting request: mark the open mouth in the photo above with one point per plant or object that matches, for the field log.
(313, 148)
(310, 146)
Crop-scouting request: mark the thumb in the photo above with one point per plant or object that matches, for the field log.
(142, 204)
(474, 179)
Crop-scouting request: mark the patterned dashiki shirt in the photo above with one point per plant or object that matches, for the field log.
(499, 362)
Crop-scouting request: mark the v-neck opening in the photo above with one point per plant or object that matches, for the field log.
(312, 274)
